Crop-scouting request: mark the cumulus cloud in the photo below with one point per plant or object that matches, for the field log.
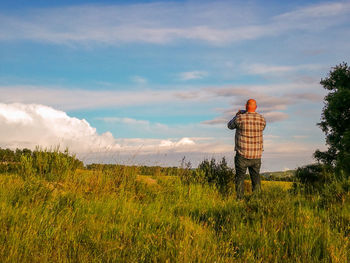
(29, 125)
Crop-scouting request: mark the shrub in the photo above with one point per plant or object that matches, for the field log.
(48, 164)
(313, 177)
(185, 172)
(218, 173)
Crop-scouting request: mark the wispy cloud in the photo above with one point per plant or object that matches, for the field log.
(70, 99)
(272, 107)
(139, 80)
(270, 103)
(145, 125)
(160, 23)
(262, 69)
(270, 96)
(316, 11)
(124, 120)
(189, 75)
(274, 116)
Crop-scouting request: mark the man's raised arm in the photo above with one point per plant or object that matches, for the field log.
(232, 124)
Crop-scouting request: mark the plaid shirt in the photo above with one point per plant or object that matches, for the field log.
(249, 134)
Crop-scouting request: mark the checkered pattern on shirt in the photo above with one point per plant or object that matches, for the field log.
(249, 134)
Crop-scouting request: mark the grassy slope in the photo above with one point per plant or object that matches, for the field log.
(95, 217)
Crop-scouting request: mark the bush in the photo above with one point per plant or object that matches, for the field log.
(218, 173)
(186, 173)
(48, 164)
(313, 177)
(335, 192)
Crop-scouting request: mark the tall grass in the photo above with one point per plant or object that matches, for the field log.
(115, 215)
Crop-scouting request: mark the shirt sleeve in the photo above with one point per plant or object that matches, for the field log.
(264, 123)
(232, 123)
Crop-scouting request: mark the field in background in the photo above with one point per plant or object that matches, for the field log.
(265, 185)
(120, 216)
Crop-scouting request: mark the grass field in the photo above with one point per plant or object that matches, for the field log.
(122, 217)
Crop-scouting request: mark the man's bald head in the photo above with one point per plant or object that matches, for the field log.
(251, 105)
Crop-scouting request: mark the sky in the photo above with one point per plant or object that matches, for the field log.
(148, 82)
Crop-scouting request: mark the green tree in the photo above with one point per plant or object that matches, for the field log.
(335, 119)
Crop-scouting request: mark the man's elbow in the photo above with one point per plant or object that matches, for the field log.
(230, 126)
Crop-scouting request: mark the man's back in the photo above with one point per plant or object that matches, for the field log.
(249, 134)
(249, 127)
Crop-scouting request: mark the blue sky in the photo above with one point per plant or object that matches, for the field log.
(153, 81)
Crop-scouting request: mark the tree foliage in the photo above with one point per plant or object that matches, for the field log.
(335, 119)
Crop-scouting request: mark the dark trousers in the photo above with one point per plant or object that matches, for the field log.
(241, 165)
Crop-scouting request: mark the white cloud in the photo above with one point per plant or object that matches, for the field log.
(28, 125)
(182, 142)
(189, 75)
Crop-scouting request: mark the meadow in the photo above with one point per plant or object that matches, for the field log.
(118, 215)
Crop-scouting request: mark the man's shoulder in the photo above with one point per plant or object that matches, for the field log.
(259, 116)
(252, 116)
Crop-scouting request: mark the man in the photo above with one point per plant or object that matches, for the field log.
(249, 127)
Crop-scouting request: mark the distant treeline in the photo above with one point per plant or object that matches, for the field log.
(46, 161)
(41, 161)
(287, 176)
(208, 166)
(142, 169)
